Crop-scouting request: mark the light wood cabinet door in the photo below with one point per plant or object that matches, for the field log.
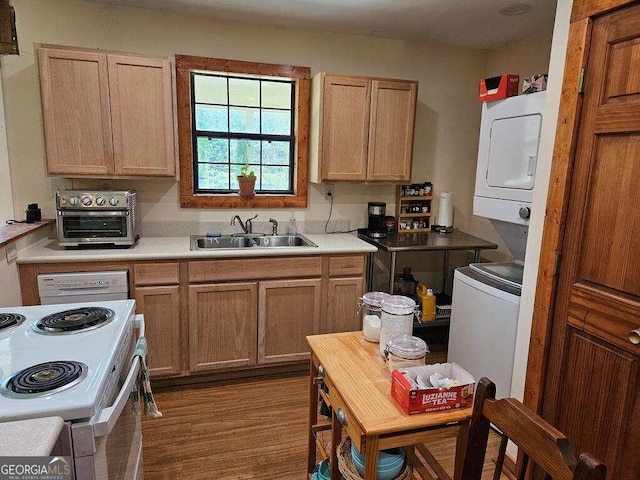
(222, 326)
(342, 305)
(391, 127)
(345, 128)
(289, 311)
(142, 115)
(161, 309)
(76, 112)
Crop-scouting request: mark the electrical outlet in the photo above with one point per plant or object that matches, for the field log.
(328, 190)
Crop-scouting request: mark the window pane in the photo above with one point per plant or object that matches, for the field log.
(275, 153)
(245, 151)
(276, 122)
(213, 149)
(244, 92)
(275, 178)
(213, 176)
(212, 119)
(210, 89)
(276, 95)
(245, 120)
(235, 170)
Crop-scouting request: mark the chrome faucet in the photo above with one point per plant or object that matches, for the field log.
(246, 227)
(275, 226)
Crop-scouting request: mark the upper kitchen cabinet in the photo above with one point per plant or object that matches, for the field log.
(361, 128)
(107, 115)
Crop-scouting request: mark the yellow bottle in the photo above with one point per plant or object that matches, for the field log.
(428, 302)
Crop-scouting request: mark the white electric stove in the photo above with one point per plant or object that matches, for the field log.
(75, 361)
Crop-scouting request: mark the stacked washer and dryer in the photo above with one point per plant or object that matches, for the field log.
(486, 296)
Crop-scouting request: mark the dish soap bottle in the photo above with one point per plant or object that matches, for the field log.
(292, 227)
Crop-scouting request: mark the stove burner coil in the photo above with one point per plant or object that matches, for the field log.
(74, 321)
(44, 378)
(8, 320)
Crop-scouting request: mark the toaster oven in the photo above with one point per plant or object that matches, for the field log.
(97, 218)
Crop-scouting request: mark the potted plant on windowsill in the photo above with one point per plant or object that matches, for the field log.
(247, 182)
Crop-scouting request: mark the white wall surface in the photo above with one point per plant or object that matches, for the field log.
(448, 113)
(6, 198)
(543, 173)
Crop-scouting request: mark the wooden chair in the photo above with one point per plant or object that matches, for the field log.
(536, 439)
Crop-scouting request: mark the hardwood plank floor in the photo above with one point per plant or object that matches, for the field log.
(250, 429)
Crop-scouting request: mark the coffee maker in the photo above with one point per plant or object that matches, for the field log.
(376, 227)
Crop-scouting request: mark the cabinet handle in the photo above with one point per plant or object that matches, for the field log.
(342, 417)
(634, 336)
(321, 370)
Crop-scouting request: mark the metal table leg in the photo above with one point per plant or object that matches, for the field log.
(392, 271)
(369, 271)
(445, 271)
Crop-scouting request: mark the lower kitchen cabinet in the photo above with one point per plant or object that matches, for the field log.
(161, 309)
(222, 326)
(342, 310)
(289, 311)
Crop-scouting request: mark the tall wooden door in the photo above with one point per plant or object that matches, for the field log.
(592, 392)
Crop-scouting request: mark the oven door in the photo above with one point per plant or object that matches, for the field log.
(109, 446)
(75, 227)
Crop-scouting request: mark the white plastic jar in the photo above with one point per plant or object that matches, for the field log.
(371, 310)
(405, 351)
(397, 316)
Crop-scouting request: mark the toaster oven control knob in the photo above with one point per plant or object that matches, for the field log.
(87, 200)
(100, 201)
(113, 201)
(525, 212)
(73, 200)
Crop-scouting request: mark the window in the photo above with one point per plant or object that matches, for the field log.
(231, 113)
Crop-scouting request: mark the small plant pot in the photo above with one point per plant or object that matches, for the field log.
(247, 187)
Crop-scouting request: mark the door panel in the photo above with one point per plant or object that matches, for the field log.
(593, 370)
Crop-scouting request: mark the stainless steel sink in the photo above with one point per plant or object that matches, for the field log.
(201, 242)
(274, 241)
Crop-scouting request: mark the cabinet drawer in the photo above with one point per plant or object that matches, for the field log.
(156, 273)
(338, 404)
(255, 268)
(346, 265)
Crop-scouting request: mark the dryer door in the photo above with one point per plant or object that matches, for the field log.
(513, 150)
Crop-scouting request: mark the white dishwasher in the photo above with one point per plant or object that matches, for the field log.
(484, 321)
(56, 288)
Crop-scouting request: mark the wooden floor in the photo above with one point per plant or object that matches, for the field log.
(251, 429)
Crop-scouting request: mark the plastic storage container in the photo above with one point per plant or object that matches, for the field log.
(371, 310)
(396, 318)
(405, 351)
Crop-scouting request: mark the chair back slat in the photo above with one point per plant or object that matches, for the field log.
(544, 445)
(537, 440)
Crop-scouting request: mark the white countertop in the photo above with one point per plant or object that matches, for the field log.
(166, 248)
(29, 438)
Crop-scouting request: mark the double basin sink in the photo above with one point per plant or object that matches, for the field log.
(203, 242)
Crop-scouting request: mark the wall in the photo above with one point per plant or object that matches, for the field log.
(543, 173)
(448, 113)
(6, 198)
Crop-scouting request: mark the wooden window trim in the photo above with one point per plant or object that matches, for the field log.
(302, 77)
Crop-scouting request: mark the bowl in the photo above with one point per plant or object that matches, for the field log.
(390, 462)
(324, 471)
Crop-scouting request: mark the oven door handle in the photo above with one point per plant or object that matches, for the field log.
(109, 416)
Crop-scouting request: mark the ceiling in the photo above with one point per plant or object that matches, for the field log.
(462, 23)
